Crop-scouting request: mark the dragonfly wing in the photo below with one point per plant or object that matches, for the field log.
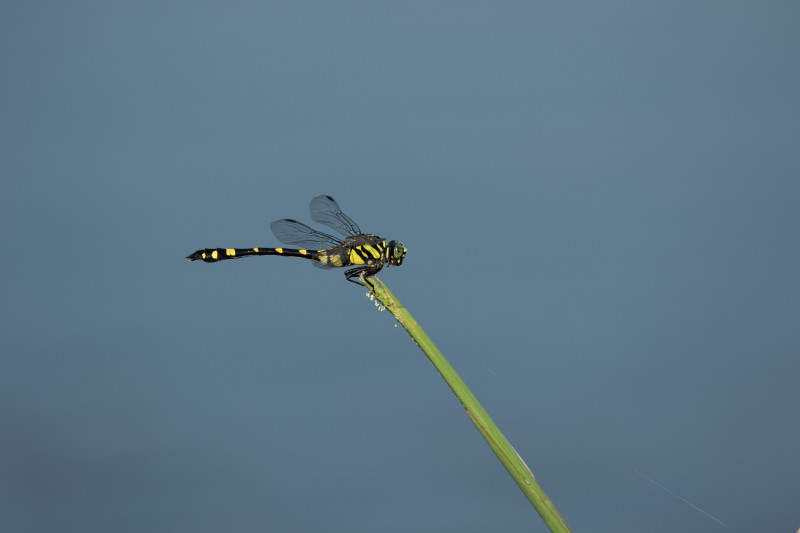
(325, 210)
(296, 233)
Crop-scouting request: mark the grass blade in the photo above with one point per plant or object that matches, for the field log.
(502, 448)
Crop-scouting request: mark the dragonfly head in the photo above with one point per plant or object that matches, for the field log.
(396, 252)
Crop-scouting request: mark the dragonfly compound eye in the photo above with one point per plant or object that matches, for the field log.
(398, 252)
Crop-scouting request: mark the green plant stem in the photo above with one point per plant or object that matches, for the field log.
(499, 444)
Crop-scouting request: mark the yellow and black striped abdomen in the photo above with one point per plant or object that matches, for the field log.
(212, 255)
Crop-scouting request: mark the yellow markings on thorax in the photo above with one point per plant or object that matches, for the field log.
(361, 255)
(230, 252)
(355, 257)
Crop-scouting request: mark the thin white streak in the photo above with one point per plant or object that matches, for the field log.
(684, 500)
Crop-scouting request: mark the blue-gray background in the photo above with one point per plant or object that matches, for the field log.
(601, 206)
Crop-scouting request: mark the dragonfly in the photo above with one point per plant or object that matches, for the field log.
(366, 253)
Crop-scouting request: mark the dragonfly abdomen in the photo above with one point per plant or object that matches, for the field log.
(212, 255)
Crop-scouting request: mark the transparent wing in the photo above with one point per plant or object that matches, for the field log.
(325, 210)
(323, 266)
(296, 233)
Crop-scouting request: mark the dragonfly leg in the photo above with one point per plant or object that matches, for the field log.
(356, 275)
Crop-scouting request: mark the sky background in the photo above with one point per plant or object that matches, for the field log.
(601, 203)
